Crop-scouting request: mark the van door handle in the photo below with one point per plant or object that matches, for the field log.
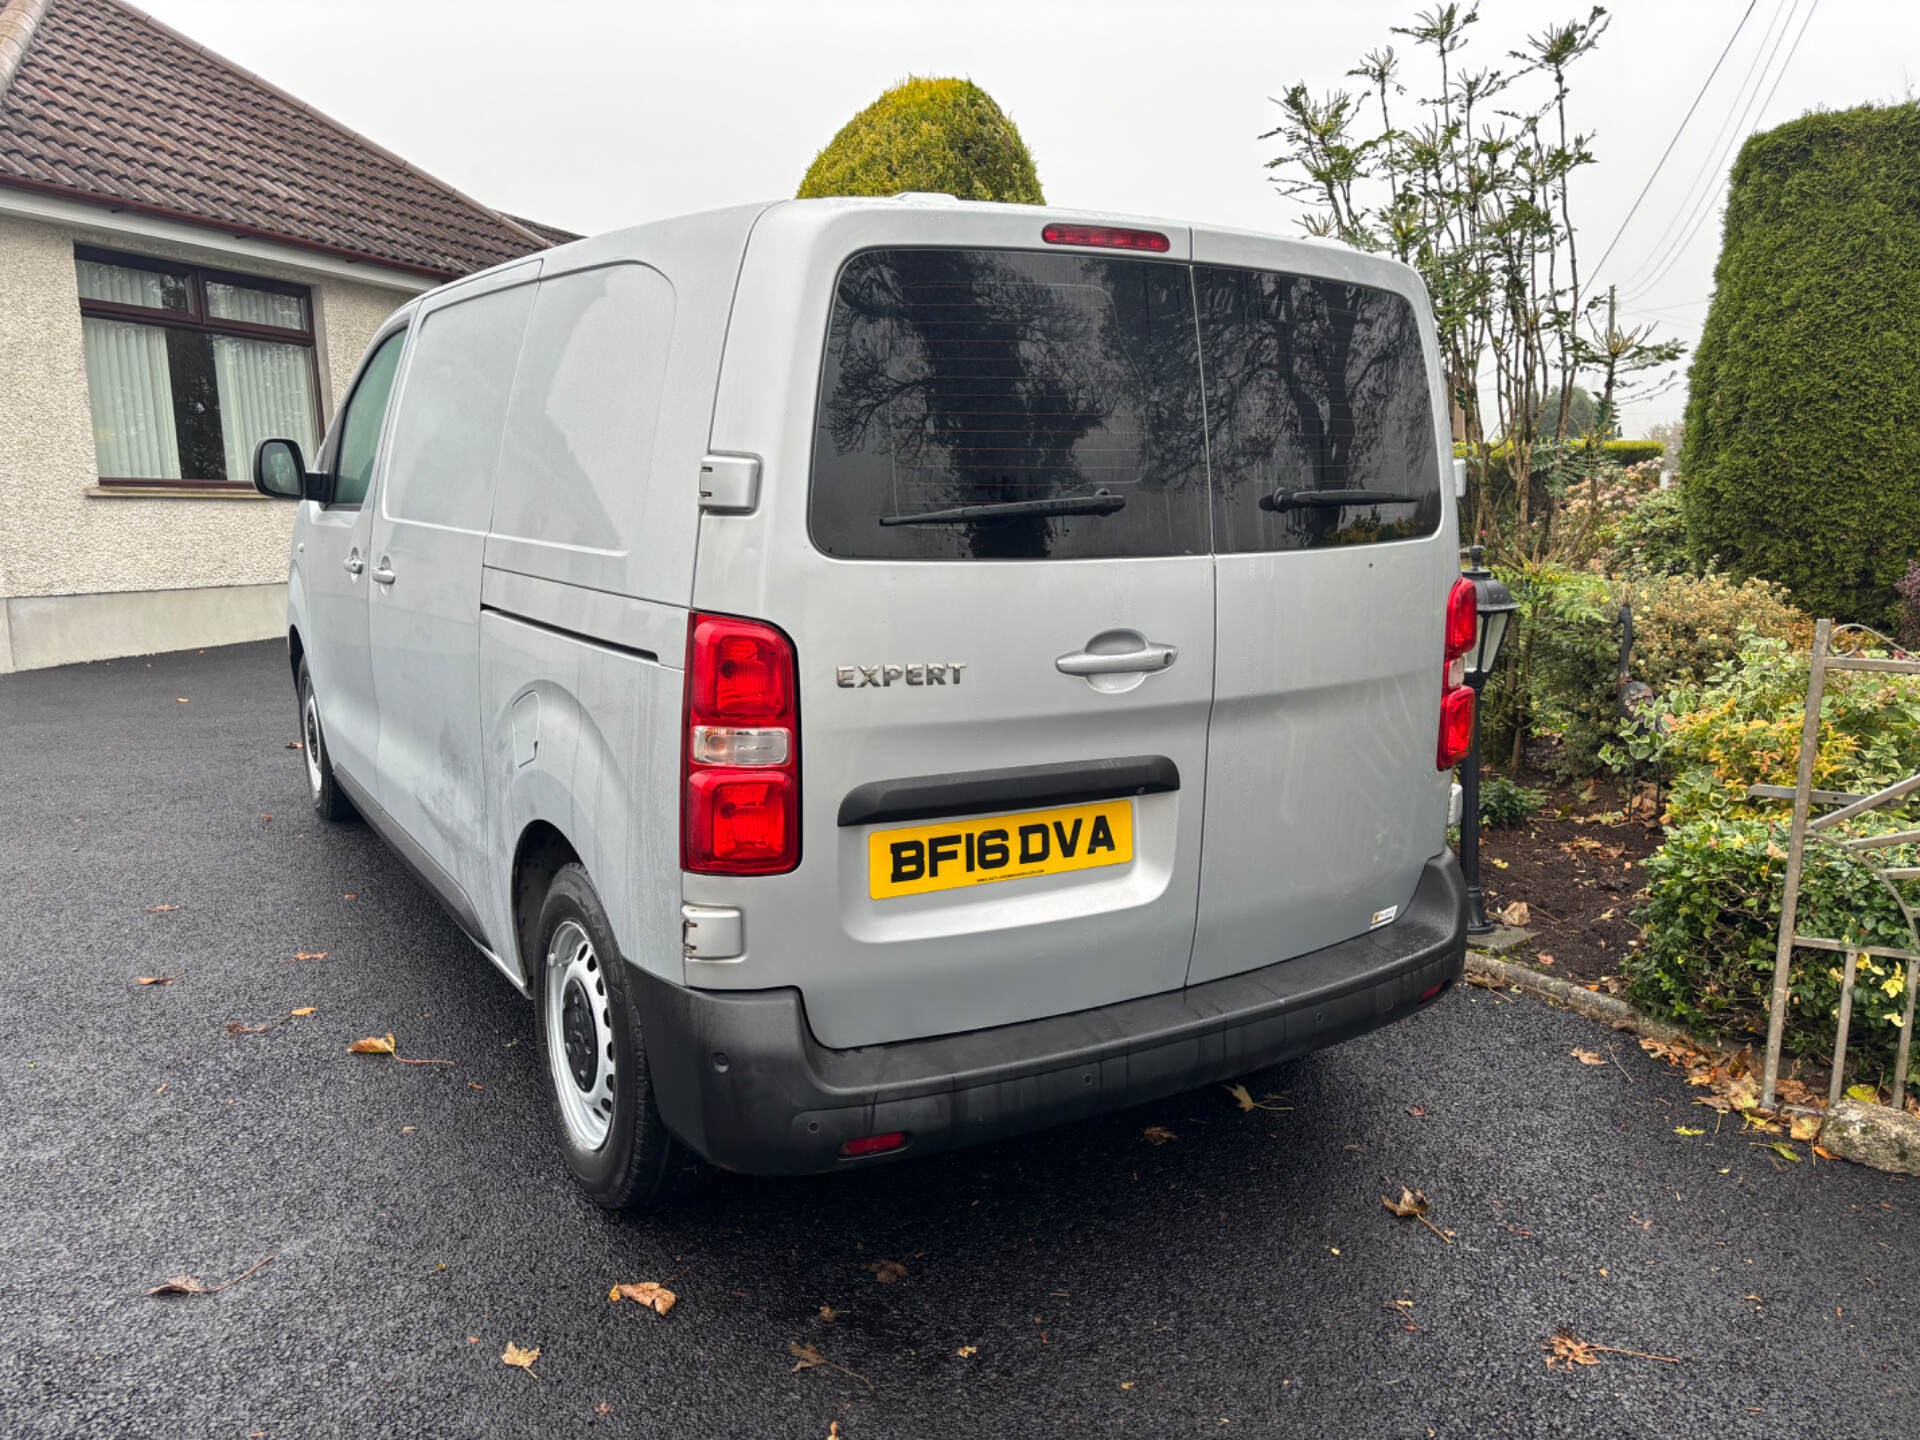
(353, 564)
(383, 572)
(1145, 660)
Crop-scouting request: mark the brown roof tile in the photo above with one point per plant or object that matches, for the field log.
(109, 104)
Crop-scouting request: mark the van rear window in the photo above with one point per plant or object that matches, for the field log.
(1316, 391)
(1053, 398)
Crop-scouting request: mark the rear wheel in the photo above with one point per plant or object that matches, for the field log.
(322, 789)
(615, 1143)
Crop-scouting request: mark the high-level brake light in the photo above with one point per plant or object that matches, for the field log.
(1110, 237)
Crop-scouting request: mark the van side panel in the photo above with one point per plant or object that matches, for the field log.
(667, 290)
(585, 738)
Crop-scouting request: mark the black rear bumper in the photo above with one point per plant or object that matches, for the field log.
(739, 1077)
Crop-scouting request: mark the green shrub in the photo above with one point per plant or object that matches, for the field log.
(1650, 538)
(1712, 921)
(1502, 802)
(1803, 412)
(945, 136)
(1684, 628)
(1742, 727)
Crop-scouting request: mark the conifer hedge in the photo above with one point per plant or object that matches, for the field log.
(945, 136)
(1802, 454)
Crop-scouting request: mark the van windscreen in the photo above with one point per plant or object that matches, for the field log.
(1007, 405)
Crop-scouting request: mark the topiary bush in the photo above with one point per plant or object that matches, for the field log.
(1712, 920)
(945, 136)
(1803, 413)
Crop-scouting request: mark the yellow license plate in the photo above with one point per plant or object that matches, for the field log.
(953, 853)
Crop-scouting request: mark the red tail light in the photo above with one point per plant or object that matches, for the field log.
(1463, 619)
(1456, 727)
(1106, 236)
(1456, 700)
(740, 812)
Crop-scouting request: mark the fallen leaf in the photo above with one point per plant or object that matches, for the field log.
(163, 1087)
(1498, 864)
(1417, 1111)
(187, 1285)
(1244, 1099)
(306, 1010)
(160, 909)
(522, 1358)
(966, 1350)
(1569, 1350)
(1158, 1134)
(350, 895)
(1687, 1130)
(806, 1358)
(372, 1045)
(158, 979)
(1515, 914)
(1778, 1147)
(1865, 1094)
(180, 1285)
(1588, 1057)
(1126, 1384)
(1412, 1205)
(181, 698)
(1544, 958)
(656, 1298)
(603, 1409)
(293, 744)
(887, 1271)
(1823, 1152)
(1804, 1127)
(235, 1027)
(829, 1314)
(310, 955)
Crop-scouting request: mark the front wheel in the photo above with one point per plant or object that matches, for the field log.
(615, 1143)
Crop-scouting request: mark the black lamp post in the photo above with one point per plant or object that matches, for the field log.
(1495, 604)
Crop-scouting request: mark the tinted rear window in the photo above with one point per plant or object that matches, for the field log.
(1313, 386)
(971, 377)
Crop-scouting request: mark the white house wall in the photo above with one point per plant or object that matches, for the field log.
(87, 573)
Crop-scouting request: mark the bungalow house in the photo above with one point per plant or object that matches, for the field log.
(191, 260)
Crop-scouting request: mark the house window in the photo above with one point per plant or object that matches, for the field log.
(189, 369)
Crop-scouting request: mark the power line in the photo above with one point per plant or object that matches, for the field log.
(1701, 186)
(1706, 207)
(1675, 140)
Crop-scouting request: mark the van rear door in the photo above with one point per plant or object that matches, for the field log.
(1334, 551)
(986, 533)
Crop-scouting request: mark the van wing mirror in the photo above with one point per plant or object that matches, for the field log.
(280, 472)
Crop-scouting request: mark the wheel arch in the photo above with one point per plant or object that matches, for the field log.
(541, 852)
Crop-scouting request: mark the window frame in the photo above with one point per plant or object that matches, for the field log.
(335, 434)
(198, 318)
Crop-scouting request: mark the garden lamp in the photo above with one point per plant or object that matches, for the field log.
(1495, 605)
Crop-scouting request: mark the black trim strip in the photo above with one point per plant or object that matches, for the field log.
(1024, 787)
(566, 634)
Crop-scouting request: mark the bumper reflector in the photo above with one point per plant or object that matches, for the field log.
(874, 1144)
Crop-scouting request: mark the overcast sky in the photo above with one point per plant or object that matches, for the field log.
(591, 115)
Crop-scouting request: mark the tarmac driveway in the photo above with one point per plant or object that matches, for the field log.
(1241, 1278)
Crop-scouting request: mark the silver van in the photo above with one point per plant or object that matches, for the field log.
(884, 675)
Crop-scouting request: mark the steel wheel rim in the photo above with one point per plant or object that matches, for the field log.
(310, 738)
(579, 1021)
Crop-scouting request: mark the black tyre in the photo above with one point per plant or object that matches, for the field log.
(596, 1061)
(322, 789)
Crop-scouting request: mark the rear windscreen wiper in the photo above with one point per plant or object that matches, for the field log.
(1332, 499)
(1101, 502)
